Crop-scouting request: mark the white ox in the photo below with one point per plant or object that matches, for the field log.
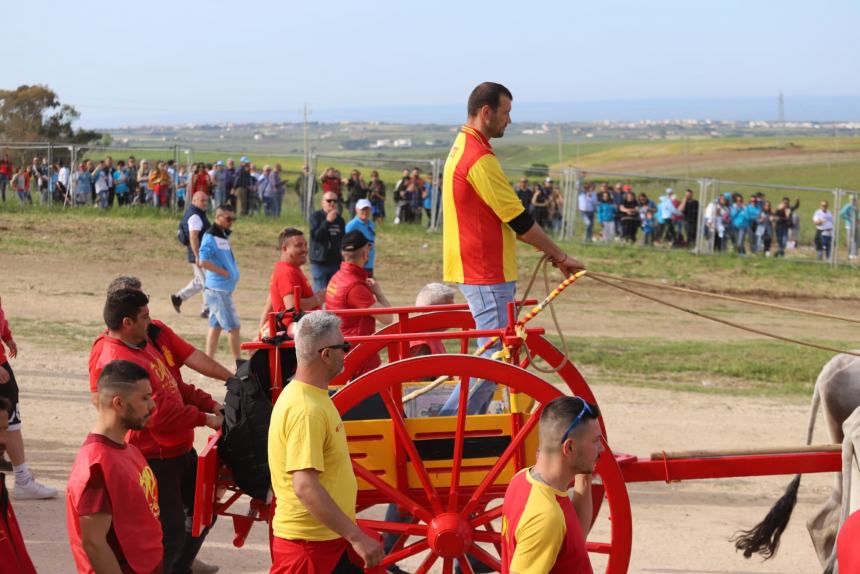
(838, 389)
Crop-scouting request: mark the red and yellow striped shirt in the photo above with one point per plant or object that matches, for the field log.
(479, 247)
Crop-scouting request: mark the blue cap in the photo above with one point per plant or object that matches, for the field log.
(244, 159)
(219, 162)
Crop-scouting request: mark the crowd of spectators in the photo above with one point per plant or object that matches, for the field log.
(730, 222)
(543, 201)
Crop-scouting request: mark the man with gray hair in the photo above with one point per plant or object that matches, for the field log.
(430, 295)
(312, 477)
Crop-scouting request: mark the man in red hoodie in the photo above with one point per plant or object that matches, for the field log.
(167, 440)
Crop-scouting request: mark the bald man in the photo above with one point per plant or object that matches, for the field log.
(191, 229)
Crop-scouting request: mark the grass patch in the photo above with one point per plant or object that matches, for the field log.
(750, 367)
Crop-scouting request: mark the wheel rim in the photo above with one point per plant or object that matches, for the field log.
(444, 514)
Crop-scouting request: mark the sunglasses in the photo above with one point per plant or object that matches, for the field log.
(343, 347)
(330, 200)
(576, 421)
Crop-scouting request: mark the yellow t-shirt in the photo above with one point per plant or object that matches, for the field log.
(306, 431)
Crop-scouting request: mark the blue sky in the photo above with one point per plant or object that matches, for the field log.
(125, 63)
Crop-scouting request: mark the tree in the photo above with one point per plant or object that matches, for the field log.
(34, 113)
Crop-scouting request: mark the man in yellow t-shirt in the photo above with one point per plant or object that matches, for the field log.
(312, 477)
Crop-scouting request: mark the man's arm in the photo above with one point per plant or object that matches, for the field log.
(194, 242)
(582, 502)
(319, 503)
(209, 266)
(264, 318)
(536, 237)
(381, 301)
(94, 531)
(207, 366)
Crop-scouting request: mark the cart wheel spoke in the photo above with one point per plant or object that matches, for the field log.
(486, 557)
(395, 495)
(459, 442)
(407, 528)
(515, 444)
(486, 516)
(428, 563)
(448, 566)
(465, 567)
(498, 545)
(410, 550)
(417, 463)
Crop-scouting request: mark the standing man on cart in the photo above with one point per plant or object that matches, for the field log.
(483, 218)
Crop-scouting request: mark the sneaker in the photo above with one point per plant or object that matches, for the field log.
(177, 302)
(396, 221)
(32, 490)
(204, 314)
(200, 567)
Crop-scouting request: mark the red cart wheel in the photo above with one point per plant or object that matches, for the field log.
(451, 519)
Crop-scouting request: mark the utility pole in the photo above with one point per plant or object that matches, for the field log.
(560, 149)
(781, 111)
(307, 150)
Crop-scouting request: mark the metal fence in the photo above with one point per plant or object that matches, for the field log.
(705, 233)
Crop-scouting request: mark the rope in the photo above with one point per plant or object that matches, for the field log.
(600, 279)
(732, 298)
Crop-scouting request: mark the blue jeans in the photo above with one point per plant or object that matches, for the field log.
(489, 307)
(740, 237)
(322, 274)
(588, 219)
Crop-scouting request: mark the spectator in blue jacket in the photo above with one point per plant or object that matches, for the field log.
(740, 223)
(222, 275)
(606, 211)
(753, 210)
(363, 221)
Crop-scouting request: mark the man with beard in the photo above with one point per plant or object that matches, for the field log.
(482, 220)
(542, 529)
(112, 496)
(167, 441)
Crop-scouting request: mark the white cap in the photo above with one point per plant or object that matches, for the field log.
(362, 204)
(669, 191)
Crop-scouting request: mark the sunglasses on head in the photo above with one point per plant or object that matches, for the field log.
(576, 421)
(345, 346)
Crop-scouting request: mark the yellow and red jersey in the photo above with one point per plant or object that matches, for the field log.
(540, 530)
(479, 245)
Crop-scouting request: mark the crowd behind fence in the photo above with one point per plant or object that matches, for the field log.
(703, 215)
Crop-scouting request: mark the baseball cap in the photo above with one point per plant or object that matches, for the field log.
(353, 241)
(670, 191)
(219, 162)
(548, 180)
(362, 204)
(244, 159)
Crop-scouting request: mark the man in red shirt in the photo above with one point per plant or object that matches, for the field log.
(542, 530)
(286, 276)
(350, 288)
(167, 441)
(112, 504)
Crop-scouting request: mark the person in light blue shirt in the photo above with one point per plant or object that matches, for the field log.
(221, 277)
(120, 180)
(363, 221)
(753, 210)
(740, 223)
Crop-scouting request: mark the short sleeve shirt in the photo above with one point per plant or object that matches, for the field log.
(540, 530)
(479, 247)
(284, 278)
(306, 432)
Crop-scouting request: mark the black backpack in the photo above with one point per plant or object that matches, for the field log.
(247, 411)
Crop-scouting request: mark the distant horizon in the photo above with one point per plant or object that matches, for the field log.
(838, 108)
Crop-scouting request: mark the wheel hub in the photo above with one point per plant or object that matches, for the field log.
(449, 535)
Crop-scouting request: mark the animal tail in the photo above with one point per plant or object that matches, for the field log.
(764, 537)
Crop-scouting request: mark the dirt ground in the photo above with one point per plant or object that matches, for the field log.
(679, 528)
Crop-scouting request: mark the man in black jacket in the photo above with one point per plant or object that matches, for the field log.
(327, 229)
(193, 225)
